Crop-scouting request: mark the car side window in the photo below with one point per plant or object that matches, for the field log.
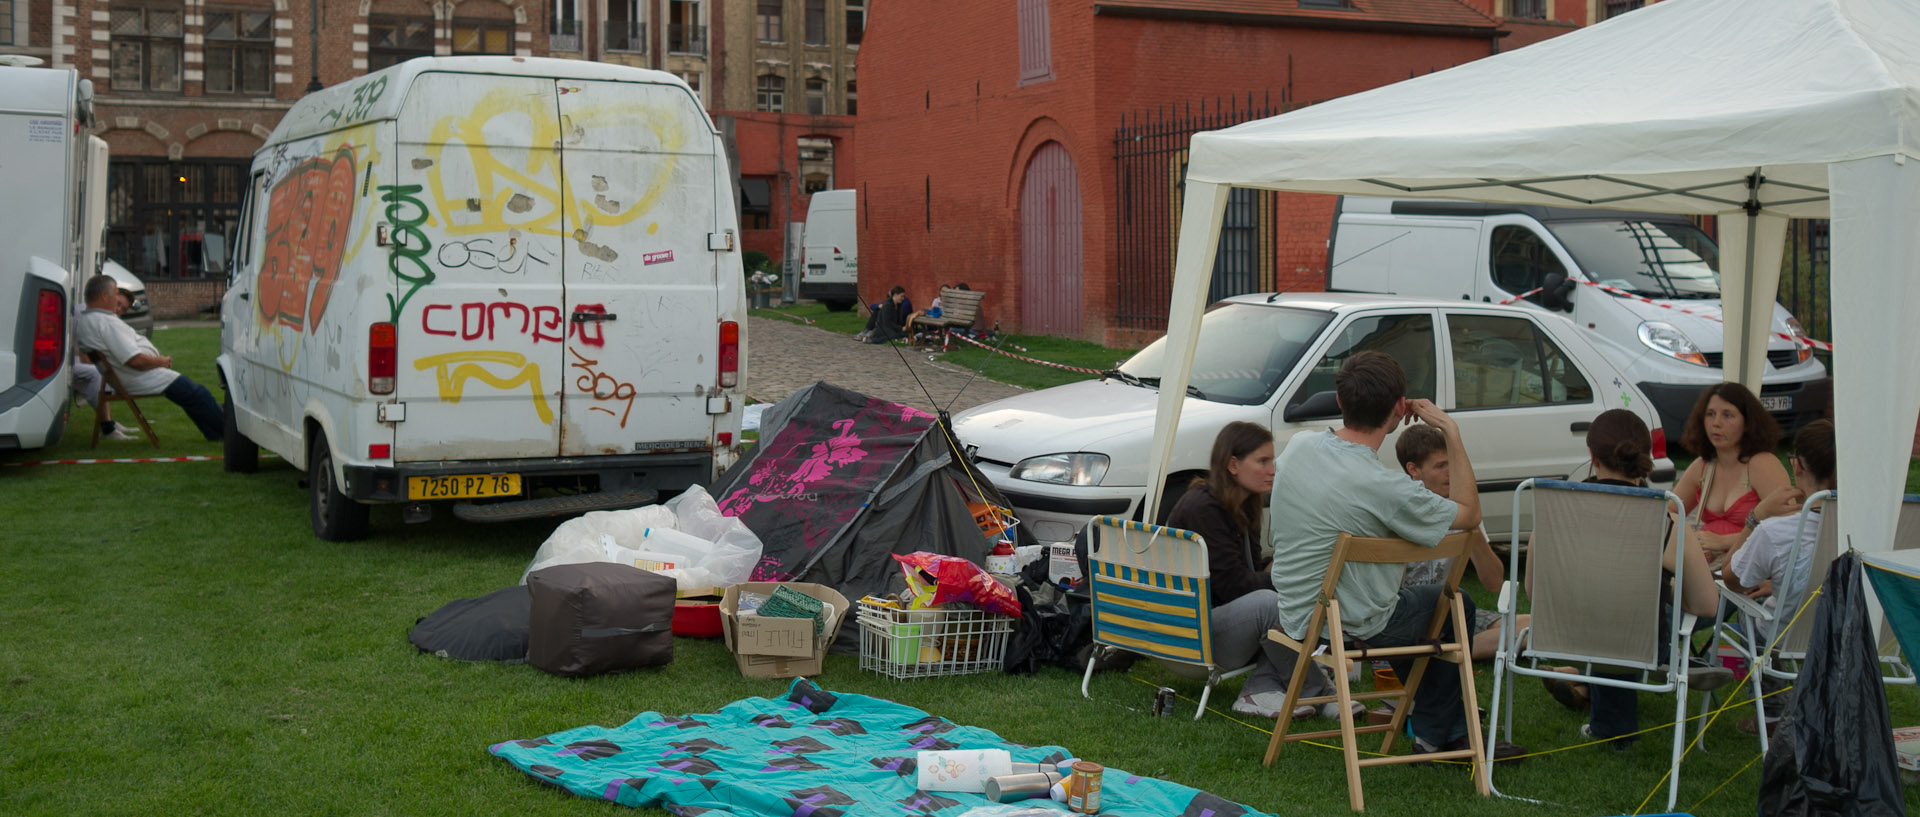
(1522, 260)
(1407, 338)
(1504, 361)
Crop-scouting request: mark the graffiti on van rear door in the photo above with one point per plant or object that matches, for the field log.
(308, 215)
(452, 370)
(407, 260)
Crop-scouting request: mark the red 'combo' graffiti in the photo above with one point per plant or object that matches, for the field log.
(481, 319)
(307, 219)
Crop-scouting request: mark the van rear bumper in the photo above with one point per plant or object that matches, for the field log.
(665, 473)
(1808, 398)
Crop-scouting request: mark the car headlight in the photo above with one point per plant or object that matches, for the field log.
(1662, 337)
(1062, 469)
(1799, 334)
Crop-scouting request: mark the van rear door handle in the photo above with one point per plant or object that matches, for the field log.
(1580, 426)
(590, 317)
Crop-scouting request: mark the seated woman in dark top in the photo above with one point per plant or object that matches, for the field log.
(1225, 508)
(887, 320)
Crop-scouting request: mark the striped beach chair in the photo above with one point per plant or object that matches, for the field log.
(1150, 597)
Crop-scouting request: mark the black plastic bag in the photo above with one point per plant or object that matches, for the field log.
(1833, 753)
(1055, 628)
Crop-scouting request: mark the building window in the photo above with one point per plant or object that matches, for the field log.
(626, 27)
(394, 40)
(816, 96)
(1036, 42)
(691, 78)
(856, 20)
(563, 28)
(174, 219)
(686, 34)
(1527, 9)
(146, 48)
(816, 164)
(239, 52)
(852, 108)
(756, 202)
(768, 22)
(772, 94)
(816, 22)
(482, 37)
(1614, 8)
(6, 22)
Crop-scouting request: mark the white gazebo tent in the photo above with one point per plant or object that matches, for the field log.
(1752, 110)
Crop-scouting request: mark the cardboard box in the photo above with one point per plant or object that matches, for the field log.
(766, 647)
(1906, 744)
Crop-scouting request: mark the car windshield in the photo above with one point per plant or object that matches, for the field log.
(1658, 259)
(1243, 353)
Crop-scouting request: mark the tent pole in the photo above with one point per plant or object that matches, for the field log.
(1200, 216)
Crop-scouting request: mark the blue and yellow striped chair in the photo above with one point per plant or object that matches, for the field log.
(1150, 597)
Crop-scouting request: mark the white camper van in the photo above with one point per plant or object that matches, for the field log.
(44, 114)
(504, 283)
(1461, 250)
(830, 251)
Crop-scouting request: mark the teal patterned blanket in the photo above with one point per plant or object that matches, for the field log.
(811, 753)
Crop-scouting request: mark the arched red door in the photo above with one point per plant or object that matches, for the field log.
(1050, 244)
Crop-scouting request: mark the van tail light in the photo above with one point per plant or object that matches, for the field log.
(49, 335)
(729, 354)
(382, 352)
(1659, 443)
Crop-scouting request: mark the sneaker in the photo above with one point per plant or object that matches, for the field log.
(1267, 705)
(1620, 744)
(1570, 694)
(1706, 678)
(1331, 710)
(118, 433)
(1751, 725)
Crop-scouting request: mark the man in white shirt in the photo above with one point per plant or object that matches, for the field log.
(1764, 563)
(1331, 482)
(140, 367)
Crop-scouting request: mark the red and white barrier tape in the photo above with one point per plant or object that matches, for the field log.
(1028, 359)
(107, 461)
(1817, 344)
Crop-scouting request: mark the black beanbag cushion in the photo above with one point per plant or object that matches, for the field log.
(492, 627)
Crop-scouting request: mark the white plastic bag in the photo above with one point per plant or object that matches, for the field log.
(704, 548)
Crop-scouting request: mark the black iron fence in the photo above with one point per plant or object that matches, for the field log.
(1150, 169)
(1803, 279)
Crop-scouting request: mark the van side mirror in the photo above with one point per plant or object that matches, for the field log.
(1556, 292)
(1320, 406)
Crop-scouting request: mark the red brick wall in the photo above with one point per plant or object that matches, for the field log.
(944, 144)
(184, 300)
(768, 145)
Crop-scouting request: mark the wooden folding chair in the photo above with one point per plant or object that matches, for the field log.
(113, 392)
(1326, 614)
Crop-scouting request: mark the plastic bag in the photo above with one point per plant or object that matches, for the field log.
(686, 538)
(1833, 752)
(955, 580)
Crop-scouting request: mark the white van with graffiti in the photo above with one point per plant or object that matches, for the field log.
(509, 284)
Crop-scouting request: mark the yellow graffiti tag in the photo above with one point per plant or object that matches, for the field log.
(453, 369)
(534, 170)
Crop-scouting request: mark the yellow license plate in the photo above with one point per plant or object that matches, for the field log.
(463, 486)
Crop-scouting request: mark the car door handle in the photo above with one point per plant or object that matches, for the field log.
(1580, 426)
(590, 317)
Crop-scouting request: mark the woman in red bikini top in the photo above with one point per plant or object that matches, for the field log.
(1734, 438)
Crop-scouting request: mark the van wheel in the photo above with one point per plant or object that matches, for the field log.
(839, 306)
(336, 517)
(239, 454)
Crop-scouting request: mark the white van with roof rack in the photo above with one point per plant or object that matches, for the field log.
(506, 284)
(1658, 319)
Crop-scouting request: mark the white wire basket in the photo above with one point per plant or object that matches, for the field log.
(928, 643)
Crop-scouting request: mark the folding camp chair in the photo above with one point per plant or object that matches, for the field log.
(113, 392)
(1151, 596)
(1896, 583)
(1326, 618)
(1772, 653)
(1596, 561)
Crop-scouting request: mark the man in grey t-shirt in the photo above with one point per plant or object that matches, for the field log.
(1333, 482)
(140, 367)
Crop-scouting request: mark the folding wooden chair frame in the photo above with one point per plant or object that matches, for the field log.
(1509, 660)
(1326, 614)
(1153, 600)
(112, 392)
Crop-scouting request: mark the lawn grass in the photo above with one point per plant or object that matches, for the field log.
(176, 641)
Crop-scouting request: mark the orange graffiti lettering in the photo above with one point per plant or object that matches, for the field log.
(307, 218)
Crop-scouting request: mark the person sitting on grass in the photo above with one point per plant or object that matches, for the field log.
(1422, 451)
(1333, 482)
(140, 367)
(1225, 507)
(1621, 449)
(1779, 549)
(886, 320)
